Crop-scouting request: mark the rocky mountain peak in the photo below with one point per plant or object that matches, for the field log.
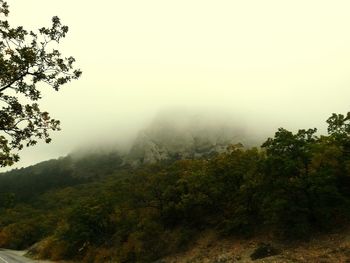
(183, 136)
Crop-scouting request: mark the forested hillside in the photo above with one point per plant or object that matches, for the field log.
(99, 209)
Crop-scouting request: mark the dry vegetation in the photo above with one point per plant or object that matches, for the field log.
(331, 248)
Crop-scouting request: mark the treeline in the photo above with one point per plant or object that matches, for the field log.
(296, 185)
(26, 183)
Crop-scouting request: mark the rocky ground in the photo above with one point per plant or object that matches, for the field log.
(332, 248)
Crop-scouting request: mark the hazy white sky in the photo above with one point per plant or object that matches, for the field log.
(283, 63)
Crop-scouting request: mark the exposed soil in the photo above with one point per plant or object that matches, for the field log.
(331, 248)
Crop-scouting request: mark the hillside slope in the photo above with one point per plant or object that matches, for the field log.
(296, 188)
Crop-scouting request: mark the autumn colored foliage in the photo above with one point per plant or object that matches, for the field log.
(295, 185)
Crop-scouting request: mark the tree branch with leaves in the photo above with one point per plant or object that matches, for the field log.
(27, 59)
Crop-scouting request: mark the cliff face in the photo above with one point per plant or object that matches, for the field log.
(182, 137)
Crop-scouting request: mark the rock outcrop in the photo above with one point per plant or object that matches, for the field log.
(182, 138)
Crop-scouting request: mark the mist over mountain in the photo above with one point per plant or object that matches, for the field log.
(176, 134)
(184, 135)
(171, 135)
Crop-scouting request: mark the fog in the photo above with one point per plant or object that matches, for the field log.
(258, 65)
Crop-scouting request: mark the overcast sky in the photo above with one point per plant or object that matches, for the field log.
(273, 63)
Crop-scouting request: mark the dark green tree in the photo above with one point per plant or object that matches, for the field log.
(339, 124)
(339, 138)
(88, 223)
(285, 195)
(27, 59)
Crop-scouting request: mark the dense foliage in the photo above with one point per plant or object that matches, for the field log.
(296, 185)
